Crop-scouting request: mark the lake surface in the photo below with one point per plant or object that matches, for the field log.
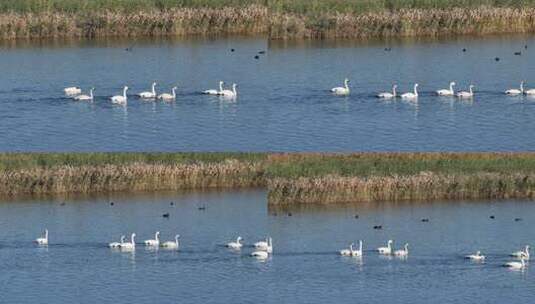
(78, 267)
(283, 102)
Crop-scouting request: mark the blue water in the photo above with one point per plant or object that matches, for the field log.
(77, 266)
(283, 102)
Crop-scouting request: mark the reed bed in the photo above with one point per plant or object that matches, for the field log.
(277, 19)
(294, 178)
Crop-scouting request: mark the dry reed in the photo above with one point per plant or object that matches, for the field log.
(257, 19)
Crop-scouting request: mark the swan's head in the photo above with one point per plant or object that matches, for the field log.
(154, 84)
(157, 233)
(133, 235)
(527, 247)
(395, 86)
(125, 88)
(174, 88)
(390, 241)
(239, 238)
(346, 81)
(452, 83)
(221, 82)
(478, 252)
(234, 85)
(415, 85)
(177, 236)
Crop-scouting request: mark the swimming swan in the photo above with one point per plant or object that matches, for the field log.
(117, 244)
(129, 246)
(402, 252)
(70, 91)
(446, 92)
(167, 96)
(529, 92)
(514, 92)
(352, 252)
(388, 95)
(386, 250)
(215, 92)
(149, 95)
(411, 95)
(235, 245)
(522, 254)
(43, 240)
(516, 265)
(85, 97)
(266, 245)
(155, 242)
(464, 94)
(171, 244)
(261, 255)
(230, 93)
(342, 90)
(120, 99)
(475, 257)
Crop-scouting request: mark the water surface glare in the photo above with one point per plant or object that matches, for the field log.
(283, 102)
(78, 267)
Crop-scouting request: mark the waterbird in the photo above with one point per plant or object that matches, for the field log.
(352, 252)
(522, 253)
(71, 91)
(378, 227)
(388, 49)
(171, 244)
(518, 53)
(464, 94)
(261, 255)
(236, 244)
(85, 97)
(43, 240)
(112, 203)
(167, 96)
(425, 220)
(529, 92)
(464, 50)
(261, 52)
(289, 214)
(230, 93)
(447, 92)
(497, 59)
(514, 92)
(492, 217)
(172, 203)
(166, 215)
(256, 57)
(232, 50)
(356, 216)
(518, 219)
(149, 95)
(388, 95)
(411, 95)
(402, 252)
(201, 208)
(342, 90)
(120, 99)
(266, 245)
(386, 250)
(213, 91)
(516, 265)
(155, 242)
(129, 246)
(475, 257)
(117, 244)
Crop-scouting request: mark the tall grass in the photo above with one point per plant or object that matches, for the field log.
(274, 18)
(290, 178)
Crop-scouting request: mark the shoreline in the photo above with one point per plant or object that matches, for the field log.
(289, 178)
(262, 20)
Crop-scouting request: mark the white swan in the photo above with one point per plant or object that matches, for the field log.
(155, 242)
(120, 99)
(117, 244)
(411, 95)
(71, 91)
(514, 92)
(447, 92)
(522, 253)
(235, 245)
(402, 252)
(386, 250)
(261, 255)
(171, 244)
(149, 95)
(342, 90)
(464, 94)
(129, 246)
(388, 95)
(85, 97)
(516, 265)
(43, 240)
(167, 96)
(230, 93)
(529, 92)
(213, 91)
(476, 257)
(352, 252)
(266, 245)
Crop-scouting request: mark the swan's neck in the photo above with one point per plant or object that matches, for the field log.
(451, 87)
(415, 90)
(176, 239)
(157, 236)
(124, 92)
(154, 89)
(46, 234)
(91, 93)
(132, 239)
(522, 87)
(360, 246)
(234, 89)
(174, 92)
(394, 90)
(471, 90)
(220, 86)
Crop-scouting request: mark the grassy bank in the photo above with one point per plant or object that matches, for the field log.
(277, 19)
(290, 178)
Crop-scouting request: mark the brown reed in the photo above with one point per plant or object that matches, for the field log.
(257, 19)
